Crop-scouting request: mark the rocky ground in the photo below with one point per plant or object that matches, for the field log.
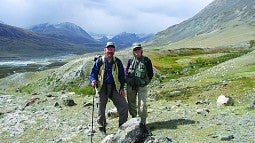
(48, 117)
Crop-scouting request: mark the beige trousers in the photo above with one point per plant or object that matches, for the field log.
(139, 93)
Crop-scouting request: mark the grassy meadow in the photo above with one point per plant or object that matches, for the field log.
(191, 67)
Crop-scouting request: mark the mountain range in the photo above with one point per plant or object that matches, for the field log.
(66, 31)
(125, 39)
(46, 39)
(18, 42)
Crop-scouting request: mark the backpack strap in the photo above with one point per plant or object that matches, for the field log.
(101, 60)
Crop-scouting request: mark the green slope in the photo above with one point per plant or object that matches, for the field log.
(238, 36)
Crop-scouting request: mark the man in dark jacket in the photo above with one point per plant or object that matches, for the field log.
(139, 73)
(108, 76)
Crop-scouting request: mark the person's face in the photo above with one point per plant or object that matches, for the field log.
(109, 51)
(137, 52)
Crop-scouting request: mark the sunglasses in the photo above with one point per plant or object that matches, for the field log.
(110, 46)
(136, 49)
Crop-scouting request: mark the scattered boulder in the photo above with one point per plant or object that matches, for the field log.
(1, 114)
(85, 104)
(203, 111)
(174, 93)
(166, 140)
(35, 93)
(227, 138)
(252, 106)
(203, 102)
(56, 104)
(30, 102)
(50, 95)
(225, 100)
(167, 108)
(69, 102)
(18, 90)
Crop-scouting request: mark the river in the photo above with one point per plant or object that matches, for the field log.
(9, 66)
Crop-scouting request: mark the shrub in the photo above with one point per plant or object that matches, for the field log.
(87, 90)
(252, 43)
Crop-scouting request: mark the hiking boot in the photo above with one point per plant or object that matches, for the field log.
(143, 127)
(103, 131)
(134, 116)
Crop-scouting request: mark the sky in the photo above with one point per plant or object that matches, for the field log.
(102, 16)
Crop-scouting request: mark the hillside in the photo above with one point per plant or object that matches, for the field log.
(217, 23)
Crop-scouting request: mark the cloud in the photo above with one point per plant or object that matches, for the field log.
(102, 16)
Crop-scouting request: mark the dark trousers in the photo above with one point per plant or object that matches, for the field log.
(108, 91)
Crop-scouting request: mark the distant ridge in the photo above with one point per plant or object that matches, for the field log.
(18, 42)
(66, 31)
(8, 31)
(124, 39)
(217, 16)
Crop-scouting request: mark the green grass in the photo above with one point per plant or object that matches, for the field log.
(248, 70)
(168, 63)
(87, 90)
(172, 67)
(240, 89)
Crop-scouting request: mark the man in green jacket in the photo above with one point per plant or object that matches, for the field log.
(139, 72)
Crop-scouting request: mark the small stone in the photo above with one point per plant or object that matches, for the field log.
(227, 138)
(56, 104)
(252, 106)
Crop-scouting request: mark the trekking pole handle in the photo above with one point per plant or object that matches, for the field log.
(96, 89)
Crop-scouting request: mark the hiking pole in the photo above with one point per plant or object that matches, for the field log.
(92, 118)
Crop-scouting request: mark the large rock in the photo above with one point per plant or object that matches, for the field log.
(130, 132)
